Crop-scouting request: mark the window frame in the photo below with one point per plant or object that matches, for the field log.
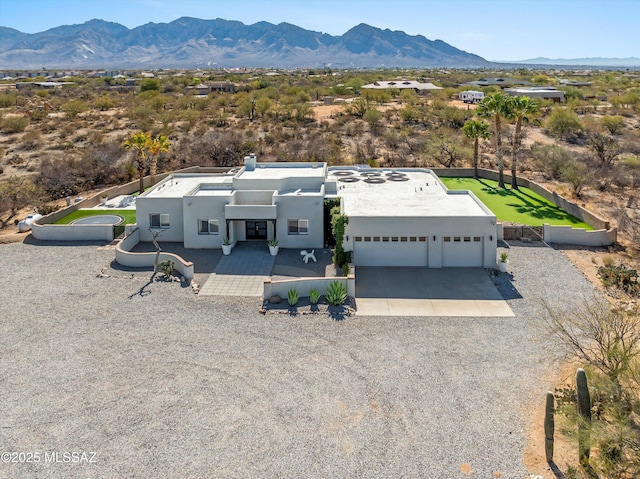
(161, 225)
(298, 227)
(209, 222)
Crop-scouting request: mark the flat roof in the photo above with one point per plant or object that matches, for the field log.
(277, 171)
(179, 185)
(401, 192)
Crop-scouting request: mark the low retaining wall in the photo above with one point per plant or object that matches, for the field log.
(579, 236)
(125, 257)
(304, 285)
(48, 232)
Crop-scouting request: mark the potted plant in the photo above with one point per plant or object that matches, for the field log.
(226, 246)
(273, 246)
(104, 198)
(502, 264)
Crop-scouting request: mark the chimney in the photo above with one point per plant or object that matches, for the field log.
(250, 162)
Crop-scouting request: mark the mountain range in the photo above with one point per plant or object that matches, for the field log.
(592, 61)
(191, 42)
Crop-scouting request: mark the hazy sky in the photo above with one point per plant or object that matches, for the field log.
(493, 29)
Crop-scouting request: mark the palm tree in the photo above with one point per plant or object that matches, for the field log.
(476, 130)
(158, 145)
(521, 107)
(140, 143)
(496, 107)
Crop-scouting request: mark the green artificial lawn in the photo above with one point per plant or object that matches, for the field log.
(129, 215)
(521, 206)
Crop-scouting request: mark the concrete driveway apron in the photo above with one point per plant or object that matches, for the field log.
(396, 291)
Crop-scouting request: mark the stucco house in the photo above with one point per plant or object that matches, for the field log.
(399, 217)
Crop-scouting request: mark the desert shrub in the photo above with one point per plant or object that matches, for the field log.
(7, 100)
(620, 277)
(166, 267)
(614, 124)
(14, 124)
(149, 84)
(563, 122)
(104, 102)
(552, 158)
(31, 141)
(73, 108)
(58, 177)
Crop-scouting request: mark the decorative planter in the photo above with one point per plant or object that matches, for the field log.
(226, 249)
(104, 200)
(273, 250)
(503, 266)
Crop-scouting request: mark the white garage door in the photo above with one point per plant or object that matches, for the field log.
(462, 251)
(390, 250)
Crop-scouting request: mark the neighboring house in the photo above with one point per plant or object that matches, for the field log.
(46, 85)
(499, 82)
(400, 217)
(417, 86)
(544, 92)
(216, 86)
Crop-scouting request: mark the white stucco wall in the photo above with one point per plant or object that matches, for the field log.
(305, 207)
(72, 232)
(200, 208)
(172, 206)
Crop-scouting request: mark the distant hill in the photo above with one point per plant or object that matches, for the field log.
(595, 61)
(191, 42)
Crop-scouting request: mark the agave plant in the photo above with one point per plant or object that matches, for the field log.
(314, 296)
(336, 293)
(292, 297)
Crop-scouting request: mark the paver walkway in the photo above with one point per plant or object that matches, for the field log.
(242, 273)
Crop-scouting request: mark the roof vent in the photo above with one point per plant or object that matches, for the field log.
(370, 174)
(349, 179)
(342, 173)
(374, 180)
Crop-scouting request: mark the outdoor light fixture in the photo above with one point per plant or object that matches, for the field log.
(434, 237)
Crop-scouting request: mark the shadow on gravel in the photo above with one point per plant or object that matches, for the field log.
(504, 284)
(143, 291)
(304, 308)
(36, 242)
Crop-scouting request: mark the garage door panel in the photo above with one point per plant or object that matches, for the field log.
(391, 253)
(462, 251)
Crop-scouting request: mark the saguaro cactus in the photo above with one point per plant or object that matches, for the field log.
(584, 411)
(549, 427)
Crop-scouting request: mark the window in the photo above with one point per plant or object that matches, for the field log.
(367, 238)
(159, 221)
(422, 239)
(412, 239)
(403, 239)
(208, 227)
(456, 239)
(477, 239)
(467, 239)
(298, 227)
(446, 239)
(385, 239)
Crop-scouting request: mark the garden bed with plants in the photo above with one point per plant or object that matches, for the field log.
(521, 206)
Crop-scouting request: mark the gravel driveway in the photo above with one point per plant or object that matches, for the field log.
(161, 383)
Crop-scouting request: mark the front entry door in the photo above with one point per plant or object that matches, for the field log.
(256, 230)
